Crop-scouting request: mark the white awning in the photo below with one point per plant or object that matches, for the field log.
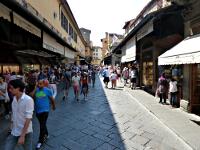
(51, 44)
(130, 54)
(186, 52)
(123, 59)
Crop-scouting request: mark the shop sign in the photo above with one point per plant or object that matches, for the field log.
(130, 50)
(5, 12)
(69, 53)
(51, 44)
(145, 30)
(21, 22)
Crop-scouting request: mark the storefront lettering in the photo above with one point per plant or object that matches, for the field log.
(51, 48)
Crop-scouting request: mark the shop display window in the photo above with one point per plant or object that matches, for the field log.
(148, 73)
(198, 82)
(10, 68)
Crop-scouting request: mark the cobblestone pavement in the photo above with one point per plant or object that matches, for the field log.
(109, 119)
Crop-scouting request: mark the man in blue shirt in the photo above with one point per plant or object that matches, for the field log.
(43, 96)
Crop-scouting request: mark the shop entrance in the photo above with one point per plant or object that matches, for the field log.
(147, 73)
(195, 103)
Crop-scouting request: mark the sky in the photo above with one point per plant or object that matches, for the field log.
(102, 16)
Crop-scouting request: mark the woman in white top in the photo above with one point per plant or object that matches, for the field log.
(76, 85)
(113, 78)
(173, 92)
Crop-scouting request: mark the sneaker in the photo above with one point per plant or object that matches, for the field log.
(39, 145)
(63, 98)
(7, 117)
(9, 131)
(46, 137)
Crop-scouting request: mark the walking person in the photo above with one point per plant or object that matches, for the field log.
(22, 112)
(43, 96)
(162, 88)
(125, 75)
(113, 78)
(76, 85)
(106, 77)
(93, 76)
(84, 84)
(173, 92)
(133, 77)
(118, 71)
(67, 76)
(52, 84)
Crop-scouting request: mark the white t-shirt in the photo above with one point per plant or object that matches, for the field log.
(113, 76)
(133, 74)
(75, 80)
(22, 109)
(172, 86)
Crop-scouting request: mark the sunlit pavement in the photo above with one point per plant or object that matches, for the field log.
(108, 119)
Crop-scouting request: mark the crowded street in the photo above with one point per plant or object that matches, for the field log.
(99, 75)
(109, 119)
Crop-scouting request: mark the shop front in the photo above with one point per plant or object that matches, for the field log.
(129, 53)
(158, 35)
(184, 59)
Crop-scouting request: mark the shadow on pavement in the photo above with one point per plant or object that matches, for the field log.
(85, 125)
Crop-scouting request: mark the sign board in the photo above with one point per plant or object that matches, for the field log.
(69, 53)
(51, 44)
(145, 30)
(5, 12)
(21, 22)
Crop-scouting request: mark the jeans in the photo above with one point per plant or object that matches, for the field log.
(162, 96)
(173, 98)
(6, 106)
(42, 117)
(11, 142)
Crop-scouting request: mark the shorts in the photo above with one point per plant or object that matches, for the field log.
(76, 88)
(133, 80)
(106, 79)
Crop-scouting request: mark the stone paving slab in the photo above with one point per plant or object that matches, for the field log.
(148, 132)
(174, 118)
(108, 119)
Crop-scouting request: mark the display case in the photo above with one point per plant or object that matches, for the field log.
(10, 68)
(148, 73)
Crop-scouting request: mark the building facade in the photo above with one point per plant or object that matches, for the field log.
(88, 50)
(150, 34)
(34, 35)
(108, 44)
(183, 60)
(97, 55)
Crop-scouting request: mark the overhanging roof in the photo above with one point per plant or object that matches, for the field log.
(150, 16)
(186, 52)
(15, 6)
(134, 31)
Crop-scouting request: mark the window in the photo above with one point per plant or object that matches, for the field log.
(64, 22)
(75, 37)
(62, 19)
(71, 32)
